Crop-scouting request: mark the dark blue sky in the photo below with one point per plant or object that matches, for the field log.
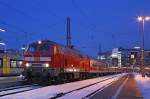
(109, 22)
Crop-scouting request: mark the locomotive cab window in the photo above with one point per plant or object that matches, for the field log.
(38, 47)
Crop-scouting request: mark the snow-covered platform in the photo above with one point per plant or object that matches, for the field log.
(130, 90)
(73, 90)
(119, 86)
(124, 88)
(144, 85)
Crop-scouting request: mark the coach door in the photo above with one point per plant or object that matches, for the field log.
(6, 65)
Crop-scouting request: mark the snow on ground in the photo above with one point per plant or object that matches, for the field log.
(17, 90)
(84, 92)
(144, 85)
(53, 90)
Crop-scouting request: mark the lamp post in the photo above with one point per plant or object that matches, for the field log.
(3, 44)
(2, 30)
(142, 19)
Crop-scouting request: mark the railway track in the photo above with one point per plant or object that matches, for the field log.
(81, 89)
(17, 89)
(61, 95)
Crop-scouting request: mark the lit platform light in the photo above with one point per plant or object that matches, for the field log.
(2, 30)
(39, 42)
(2, 43)
(143, 18)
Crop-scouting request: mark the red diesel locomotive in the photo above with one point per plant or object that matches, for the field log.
(46, 60)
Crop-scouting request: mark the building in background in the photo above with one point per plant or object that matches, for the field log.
(123, 57)
(132, 57)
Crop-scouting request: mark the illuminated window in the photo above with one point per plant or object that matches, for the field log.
(19, 63)
(13, 64)
(1, 65)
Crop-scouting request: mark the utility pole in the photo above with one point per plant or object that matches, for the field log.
(142, 50)
(143, 19)
(68, 33)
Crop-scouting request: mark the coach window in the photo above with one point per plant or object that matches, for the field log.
(13, 63)
(19, 63)
(1, 63)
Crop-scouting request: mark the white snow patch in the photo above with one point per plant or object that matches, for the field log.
(53, 90)
(144, 85)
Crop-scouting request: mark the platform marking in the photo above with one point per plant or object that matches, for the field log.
(119, 89)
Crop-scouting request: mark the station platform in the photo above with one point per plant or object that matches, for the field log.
(130, 90)
(124, 88)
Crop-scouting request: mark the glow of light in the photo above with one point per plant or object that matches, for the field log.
(39, 42)
(20, 62)
(136, 47)
(146, 68)
(2, 44)
(132, 56)
(23, 48)
(74, 70)
(147, 18)
(140, 18)
(2, 30)
(114, 55)
(27, 64)
(46, 65)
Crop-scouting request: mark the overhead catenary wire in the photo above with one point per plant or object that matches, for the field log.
(16, 31)
(49, 11)
(28, 16)
(85, 15)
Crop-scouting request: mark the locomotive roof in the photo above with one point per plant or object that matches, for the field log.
(57, 44)
(48, 42)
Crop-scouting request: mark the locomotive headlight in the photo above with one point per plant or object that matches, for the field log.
(20, 63)
(28, 64)
(46, 65)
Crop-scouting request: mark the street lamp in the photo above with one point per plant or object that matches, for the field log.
(3, 44)
(142, 19)
(2, 30)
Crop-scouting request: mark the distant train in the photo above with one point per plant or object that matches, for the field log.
(10, 63)
(49, 61)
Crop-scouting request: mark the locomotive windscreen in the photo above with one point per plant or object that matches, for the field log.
(38, 47)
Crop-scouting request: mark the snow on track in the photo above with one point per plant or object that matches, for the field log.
(53, 90)
(80, 94)
(17, 89)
